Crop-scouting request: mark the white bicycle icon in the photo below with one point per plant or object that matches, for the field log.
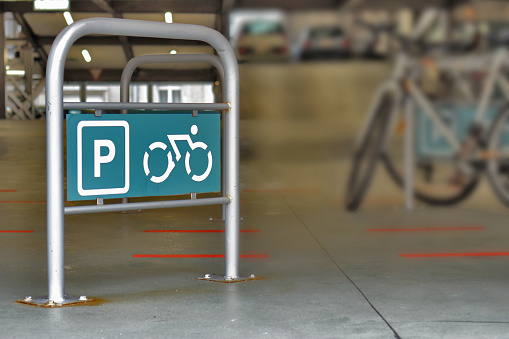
(171, 164)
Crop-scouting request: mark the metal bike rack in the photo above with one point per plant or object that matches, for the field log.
(55, 141)
(135, 62)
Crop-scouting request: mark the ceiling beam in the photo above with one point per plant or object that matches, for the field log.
(32, 38)
(124, 6)
(295, 5)
(161, 6)
(396, 4)
(104, 5)
(216, 6)
(339, 3)
(144, 75)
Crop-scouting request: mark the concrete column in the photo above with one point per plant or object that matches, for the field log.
(27, 57)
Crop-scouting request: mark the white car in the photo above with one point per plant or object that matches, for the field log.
(324, 42)
(262, 40)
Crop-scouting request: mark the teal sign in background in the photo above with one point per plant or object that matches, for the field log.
(135, 155)
(429, 140)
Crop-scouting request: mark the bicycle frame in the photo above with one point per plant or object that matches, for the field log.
(495, 77)
(403, 78)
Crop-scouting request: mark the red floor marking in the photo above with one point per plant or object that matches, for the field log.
(195, 231)
(12, 231)
(21, 202)
(178, 255)
(425, 229)
(183, 231)
(254, 256)
(8, 191)
(441, 255)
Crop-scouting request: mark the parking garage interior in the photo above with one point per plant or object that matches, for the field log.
(392, 268)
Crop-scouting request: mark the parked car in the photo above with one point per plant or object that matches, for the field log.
(262, 40)
(324, 42)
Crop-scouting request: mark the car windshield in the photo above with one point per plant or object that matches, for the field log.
(324, 32)
(262, 28)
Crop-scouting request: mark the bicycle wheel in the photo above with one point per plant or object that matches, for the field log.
(438, 177)
(205, 174)
(497, 154)
(368, 152)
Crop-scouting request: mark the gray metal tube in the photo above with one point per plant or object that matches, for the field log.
(134, 63)
(145, 105)
(55, 148)
(134, 206)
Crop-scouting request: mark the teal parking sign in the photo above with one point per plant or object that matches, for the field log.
(136, 155)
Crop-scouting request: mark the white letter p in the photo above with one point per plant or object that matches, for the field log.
(100, 159)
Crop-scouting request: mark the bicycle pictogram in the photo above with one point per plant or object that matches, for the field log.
(173, 138)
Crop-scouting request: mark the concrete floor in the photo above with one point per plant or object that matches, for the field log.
(326, 274)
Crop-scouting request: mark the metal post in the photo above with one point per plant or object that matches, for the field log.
(231, 154)
(409, 155)
(223, 151)
(2, 66)
(55, 142)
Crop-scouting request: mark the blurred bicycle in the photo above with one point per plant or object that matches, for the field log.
(438, 179)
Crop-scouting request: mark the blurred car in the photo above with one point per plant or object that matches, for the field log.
(324, 42)
(262, 40)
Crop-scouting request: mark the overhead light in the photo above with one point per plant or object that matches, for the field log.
(17, 72)
(173, 51)
(41, 5)
(86, 55)
(68, 18)
(168, 17)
